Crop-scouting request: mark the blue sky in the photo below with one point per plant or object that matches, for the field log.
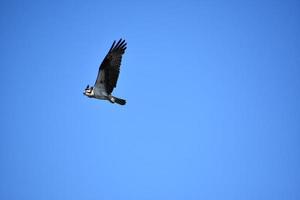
(213, 102)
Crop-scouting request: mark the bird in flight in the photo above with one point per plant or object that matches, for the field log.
(108, 75)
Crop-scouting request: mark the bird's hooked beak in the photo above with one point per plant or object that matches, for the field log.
(87, 87)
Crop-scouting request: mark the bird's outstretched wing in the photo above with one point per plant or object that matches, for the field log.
(110, 67)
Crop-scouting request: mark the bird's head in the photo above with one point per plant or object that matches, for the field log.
(89, 91)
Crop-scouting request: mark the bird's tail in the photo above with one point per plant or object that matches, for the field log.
(119, 101)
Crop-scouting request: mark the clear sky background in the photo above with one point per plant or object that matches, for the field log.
(213, 100)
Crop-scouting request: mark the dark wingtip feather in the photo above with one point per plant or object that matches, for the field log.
(123, 44)
(118, 43)
(112, 46)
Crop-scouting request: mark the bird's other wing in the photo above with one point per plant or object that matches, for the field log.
(110, 67)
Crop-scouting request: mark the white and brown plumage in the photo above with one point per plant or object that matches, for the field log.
(108, 74)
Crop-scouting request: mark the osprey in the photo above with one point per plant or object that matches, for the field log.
(108, 75)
